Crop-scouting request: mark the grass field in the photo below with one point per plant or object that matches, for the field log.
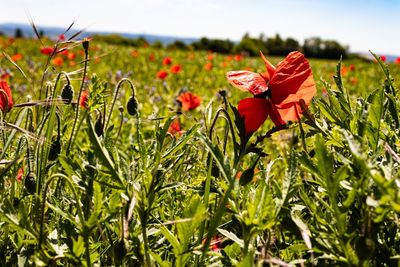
(128, 172)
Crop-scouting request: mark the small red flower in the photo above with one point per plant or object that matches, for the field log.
(152, 57)
(352, 67)
(175, 128)
(47, 50)
(58, 61)
(238, 57)
(5, 93)
(210, 57)
(383, 58)
(189, 101)
(176, 68)
(162, 74)
(61, 37)
(208, 66)
(167, 61)
(71, 55)
(17, 57)
(20, 174)
(134, 53)
(397, 61)
(277, 92)
(83, 102)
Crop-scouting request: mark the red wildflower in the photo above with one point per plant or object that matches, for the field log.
(5, 93)
(71, 56)
(134, 53)
(397, 61)
(175, 128)
(189, 101)
(210, 57)
(47, 50)
(167, 61)
(383, 58)
(215, 243)
(162, 74)
(16, 57)
(277, 92)
(20, 174)
(176, 68)
(352, 67)
(208, 66)
(343, 71)
(238, 57)
(152, 57)
(61, 37)
(83, 102)
(58, 61)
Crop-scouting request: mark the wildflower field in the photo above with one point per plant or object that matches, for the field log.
(121, 156)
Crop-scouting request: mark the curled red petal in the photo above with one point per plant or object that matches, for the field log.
(247, 81)
(255, 112)
(293, 80)
(5, 96)
(270, 68)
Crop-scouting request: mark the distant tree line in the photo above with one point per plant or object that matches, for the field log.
(313, 47)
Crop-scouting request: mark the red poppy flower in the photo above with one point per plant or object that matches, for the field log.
(238, 57)
(16, 57)
(134, 53)
(47, 50)
(383, 58)
(397, 61)
(58, 61)
(167, 61)
(277, 91)
(83, 102)
(189, 101)
(176, 68)
(162, 74)
(61, 37)
(5, 91)
(152, 57)
(352, 67)
(175, 128)
(208, 66)
(210, 57)
(20, 174)
(71, 55)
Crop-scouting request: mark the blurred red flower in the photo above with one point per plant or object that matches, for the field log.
(208, 66)
(5, 96)
(167, 61)
(189, 101)
(47, 50)
(383, 58)
(83, 102)
(176, 68)
(58, 61)
(162, 74)
(134, 53)
(20, 174)
(175, 128)
(71, 56)
(352, 67)
(238, 57)
(17, 57)
(152, 57)
(61, 37)
(277, 92)
(210, 57)
(397, 61)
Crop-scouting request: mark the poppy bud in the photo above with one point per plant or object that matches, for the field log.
(85, 45)
(364, 247)
(67, 93)
(98, 126)
(132, 106)
(30, 183)
(247, 176)
(120, 249)
(55, 148)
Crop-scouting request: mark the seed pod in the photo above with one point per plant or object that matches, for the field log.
(98, 126)
(67, 93)
(30, 183)
(247, 176)
(55, 148)
(132, 106)
(120, 249)
(365, 247)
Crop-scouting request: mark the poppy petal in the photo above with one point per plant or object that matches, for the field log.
(289, 112)
(270, 68)
(293, 80)
(247, 81)
(255, 112)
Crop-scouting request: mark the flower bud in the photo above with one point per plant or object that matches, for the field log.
(132, 106)
(67, 93)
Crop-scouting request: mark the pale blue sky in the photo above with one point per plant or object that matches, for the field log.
(362, 24)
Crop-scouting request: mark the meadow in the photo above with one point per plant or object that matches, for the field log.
(137, 156)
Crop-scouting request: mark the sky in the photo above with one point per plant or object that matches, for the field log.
(361, 24)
